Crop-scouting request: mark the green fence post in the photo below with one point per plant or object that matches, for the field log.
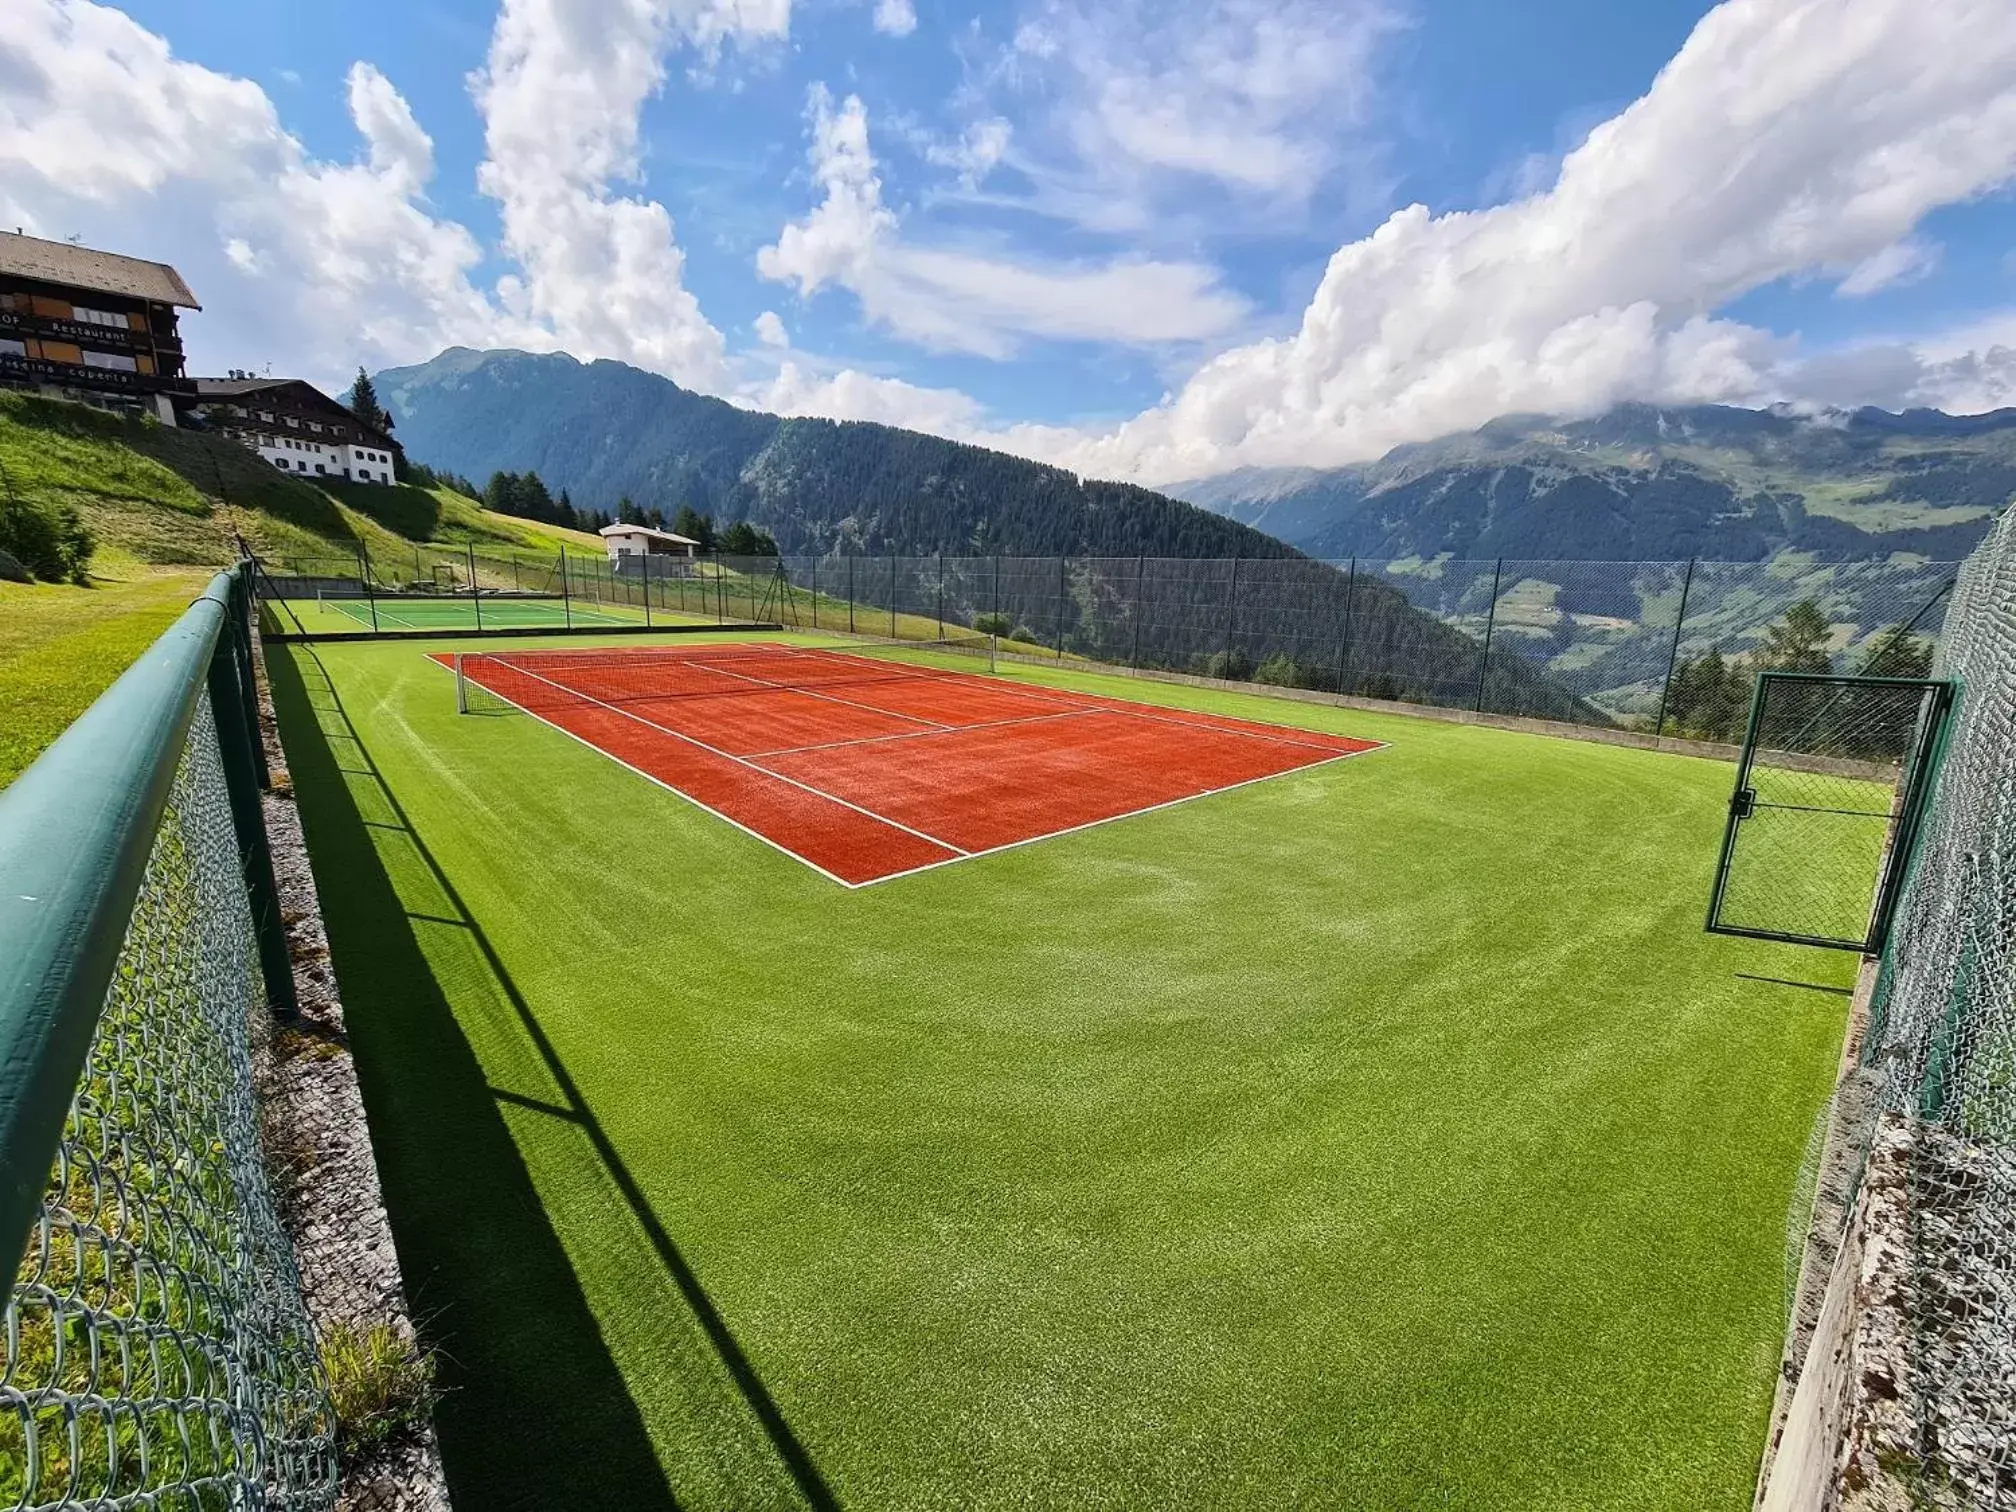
(475, 597)
(566, 596)
(239, 625)
(1063, 588)
(1140, 576)
(1673, 656)
(1231, 614)
(236, 744)
(850, 595)
(892, 595)
(941, 595)
(1344, 629)
(815, 593)
(364, 572)
(1490, 623)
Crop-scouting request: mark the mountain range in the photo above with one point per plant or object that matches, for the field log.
(1637, 482)
(1641, 482)
(604, 432)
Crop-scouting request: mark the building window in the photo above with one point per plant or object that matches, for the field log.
(320, 468)
(315, 426)
(99, 318)
(267, 416)
(9, 347)
(119, 361)
(291, 421)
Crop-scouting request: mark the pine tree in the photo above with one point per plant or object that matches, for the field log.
(363, 403)
(1896, 652)
(1798, 643)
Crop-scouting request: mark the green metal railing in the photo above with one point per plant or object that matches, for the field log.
(156, 1350)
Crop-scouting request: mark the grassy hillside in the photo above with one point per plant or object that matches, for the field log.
(61, 646)
(164, 496)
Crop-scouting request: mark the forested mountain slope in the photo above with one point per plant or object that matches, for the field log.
(1645, 483)
(604, 431)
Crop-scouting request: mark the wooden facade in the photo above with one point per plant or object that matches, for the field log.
(91, 324)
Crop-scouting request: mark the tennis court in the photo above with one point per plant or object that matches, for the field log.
(457, 613)
(876, 761)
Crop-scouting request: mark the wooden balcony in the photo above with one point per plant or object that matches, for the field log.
(122, 338)
(77, 375)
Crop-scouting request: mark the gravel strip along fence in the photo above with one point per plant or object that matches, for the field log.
(326, 1180)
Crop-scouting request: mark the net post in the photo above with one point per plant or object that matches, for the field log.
(461, 686)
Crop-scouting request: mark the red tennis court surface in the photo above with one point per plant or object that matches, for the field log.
(867, 768)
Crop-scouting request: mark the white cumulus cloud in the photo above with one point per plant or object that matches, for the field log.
(1786, 138)
(953, 299)
(310, 264)
(561, 94)
(895, 18)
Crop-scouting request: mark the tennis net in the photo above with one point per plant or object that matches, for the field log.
(538, 681)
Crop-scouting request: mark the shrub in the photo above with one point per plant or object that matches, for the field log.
(52, 542)
(994, 624)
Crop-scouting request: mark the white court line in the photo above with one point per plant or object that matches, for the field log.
(741, 761)
(1088, 701)
(764, 682)
(1104, 706)
(705, 808)
(376, 616)
(1073, 829)
(985, 724)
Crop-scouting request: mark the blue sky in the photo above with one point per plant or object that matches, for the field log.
(1097, 232)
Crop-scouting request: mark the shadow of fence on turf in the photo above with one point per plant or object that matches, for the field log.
(536, 1412)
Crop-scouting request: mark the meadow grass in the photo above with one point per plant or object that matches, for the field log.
(1385, 1135)
(61, 646)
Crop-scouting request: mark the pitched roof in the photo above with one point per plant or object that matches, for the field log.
(237, 388)
(304, 392)
(87, 268)
(646, 530)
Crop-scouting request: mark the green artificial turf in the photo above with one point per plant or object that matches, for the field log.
(1386, 1135)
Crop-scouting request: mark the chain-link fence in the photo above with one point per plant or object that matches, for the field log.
(156, 1352)
(1942, 1045)
(1671, 647)
(1667, 647)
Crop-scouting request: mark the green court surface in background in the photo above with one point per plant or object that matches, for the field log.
(1385, 1135)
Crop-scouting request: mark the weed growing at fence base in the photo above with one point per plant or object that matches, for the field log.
(1384, 1135)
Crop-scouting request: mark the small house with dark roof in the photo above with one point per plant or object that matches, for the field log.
(296, 427)
(91, 325)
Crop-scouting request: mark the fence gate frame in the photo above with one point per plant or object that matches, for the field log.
(1913, 791)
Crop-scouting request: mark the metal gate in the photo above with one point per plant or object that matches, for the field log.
(1829, 793)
